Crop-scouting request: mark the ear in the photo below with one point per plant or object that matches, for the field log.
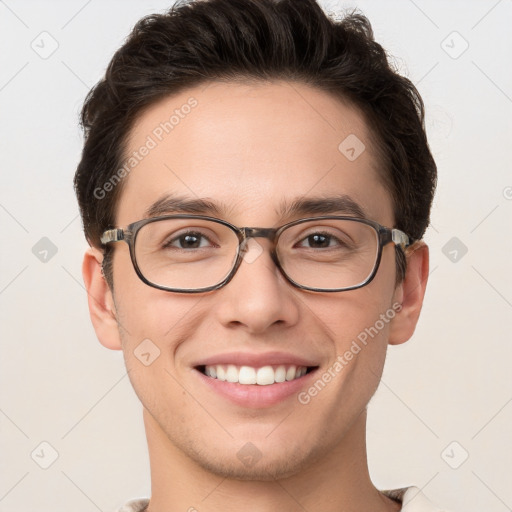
(100, 300)
(409, 293)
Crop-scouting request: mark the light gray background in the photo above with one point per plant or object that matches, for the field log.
(450, 383)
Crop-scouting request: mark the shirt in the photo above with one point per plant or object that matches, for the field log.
(411, 498)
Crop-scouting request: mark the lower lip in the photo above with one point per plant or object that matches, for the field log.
(254, 395)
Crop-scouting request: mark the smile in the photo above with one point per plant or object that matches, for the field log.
(247, 375)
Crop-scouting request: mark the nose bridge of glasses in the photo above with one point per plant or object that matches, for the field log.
(269, 233)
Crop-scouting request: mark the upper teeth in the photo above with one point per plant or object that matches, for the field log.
(248, 375)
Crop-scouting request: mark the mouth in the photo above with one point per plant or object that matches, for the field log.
(255, 380)
(249, 375)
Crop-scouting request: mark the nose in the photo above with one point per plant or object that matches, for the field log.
(258, 297)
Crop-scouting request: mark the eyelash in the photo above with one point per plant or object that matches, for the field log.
(324, 234)
(169, 242)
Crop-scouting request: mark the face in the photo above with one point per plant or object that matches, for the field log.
(253, 150)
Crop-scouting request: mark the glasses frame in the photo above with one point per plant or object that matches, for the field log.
(385, 236)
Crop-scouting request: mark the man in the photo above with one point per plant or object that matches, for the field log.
(254, 185)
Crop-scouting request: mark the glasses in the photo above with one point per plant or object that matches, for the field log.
(195, 253)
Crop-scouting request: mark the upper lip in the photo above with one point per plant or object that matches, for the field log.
(256, 360)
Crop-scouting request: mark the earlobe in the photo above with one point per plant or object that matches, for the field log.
(100, 300)
(410, 294)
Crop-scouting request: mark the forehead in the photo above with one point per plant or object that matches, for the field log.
(252, 149)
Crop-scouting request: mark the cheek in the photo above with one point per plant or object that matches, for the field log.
(359, 328)
(345, 386)
(144, 311)
(153, 326)
(360, 315)
(358, 323)
(161, 317)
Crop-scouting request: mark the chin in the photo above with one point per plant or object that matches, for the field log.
(250, 464)
(261, 471)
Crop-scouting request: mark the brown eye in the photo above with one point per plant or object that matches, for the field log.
(190, 240)
(320, 241)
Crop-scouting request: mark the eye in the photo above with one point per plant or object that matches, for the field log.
(320, 241)
(188, 240)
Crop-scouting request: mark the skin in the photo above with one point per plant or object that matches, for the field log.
(249, 147)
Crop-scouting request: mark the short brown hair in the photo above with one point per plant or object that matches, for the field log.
(208, 40)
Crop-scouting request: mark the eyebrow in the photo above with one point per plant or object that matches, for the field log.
(179, 204)
(339, 204)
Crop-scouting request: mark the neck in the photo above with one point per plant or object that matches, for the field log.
(338, 480)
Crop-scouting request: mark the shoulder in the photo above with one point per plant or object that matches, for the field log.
(413, 500)
(135, 505)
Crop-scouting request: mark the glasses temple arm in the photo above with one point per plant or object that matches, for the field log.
(112, 235)
(401, 239)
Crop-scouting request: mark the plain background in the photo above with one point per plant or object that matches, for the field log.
(445, 395)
